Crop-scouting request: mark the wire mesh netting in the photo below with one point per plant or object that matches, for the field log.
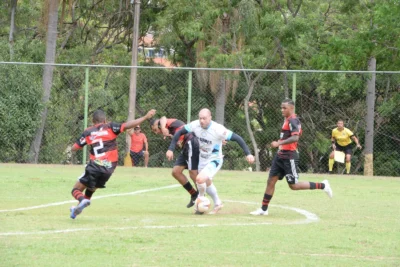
(321, 100)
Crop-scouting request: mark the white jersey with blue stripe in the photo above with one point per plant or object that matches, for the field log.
(210, 140)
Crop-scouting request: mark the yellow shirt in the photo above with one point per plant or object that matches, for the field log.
(342, 137)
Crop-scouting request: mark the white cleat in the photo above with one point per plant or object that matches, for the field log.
(328, 189)
(259, 212)
(216, 209)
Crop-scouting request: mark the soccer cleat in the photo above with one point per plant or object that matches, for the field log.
(216, 209)
(196, 212)
(192, 201)
(259, 212)
(328, 189)
(78, 209)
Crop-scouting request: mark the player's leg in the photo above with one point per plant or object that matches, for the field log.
(331, 161)
(348, 152)
(206, 175)
(275, 174)
(84, 182)
(132, 154)
(292, 178)
(177, 173)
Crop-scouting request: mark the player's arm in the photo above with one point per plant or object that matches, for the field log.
(333, 140)
(172, 145)
(80, 143)
(355, 139)
(133, 123)
(146, 145)
(238, 139)
(292, 139)
(163, 126)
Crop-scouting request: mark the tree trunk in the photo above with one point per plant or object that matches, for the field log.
(370, 119)
(12, 28)
(47, 77)
(220, 100)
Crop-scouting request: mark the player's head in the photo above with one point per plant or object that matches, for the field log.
(205, 118)
(340, 124)
(137, 129)
(287, 107)
(154, 126)
(99, 117)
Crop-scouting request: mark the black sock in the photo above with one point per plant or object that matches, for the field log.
(188, 186)
(265, 202)
(317, 186)
(88, 193)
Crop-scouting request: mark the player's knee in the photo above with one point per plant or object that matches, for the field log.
(200, 179)
(175, 172)
(293, 186)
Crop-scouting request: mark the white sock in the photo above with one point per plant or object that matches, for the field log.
(201, 188)
(212, 191)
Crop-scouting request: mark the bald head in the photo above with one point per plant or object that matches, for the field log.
(205, 118)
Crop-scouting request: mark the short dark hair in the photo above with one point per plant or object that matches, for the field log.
(288, 101)
(152, 121)
(99, 116)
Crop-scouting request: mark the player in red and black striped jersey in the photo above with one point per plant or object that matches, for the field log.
(188, 158)
(285, 162)
(101, 139)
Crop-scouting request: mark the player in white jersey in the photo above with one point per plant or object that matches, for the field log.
(211, 135)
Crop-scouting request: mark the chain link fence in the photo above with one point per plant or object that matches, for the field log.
(322, 98)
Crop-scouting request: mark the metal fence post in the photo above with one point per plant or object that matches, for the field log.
(189, 96)
(85, 120)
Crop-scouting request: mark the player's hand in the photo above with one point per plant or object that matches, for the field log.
(250, 159)
(150, 114)
(170, 155)
(165, 132)
(275, 144)
(359, 146)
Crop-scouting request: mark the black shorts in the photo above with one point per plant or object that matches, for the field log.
(346, 149)
(189, 157)
(136, 157)
(286, 166)
(96, 176)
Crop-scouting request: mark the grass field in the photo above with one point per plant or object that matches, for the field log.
(141, 219)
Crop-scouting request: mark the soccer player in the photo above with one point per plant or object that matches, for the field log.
(139, 147)
(286, 160)
(211, 136)
(341, 141)
(101, 138)
(188, 158)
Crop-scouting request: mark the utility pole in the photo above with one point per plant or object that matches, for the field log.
(133, 82)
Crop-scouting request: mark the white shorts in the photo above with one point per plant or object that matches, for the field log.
(211, 168)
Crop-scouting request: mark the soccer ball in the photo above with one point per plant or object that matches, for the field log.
(202, 204)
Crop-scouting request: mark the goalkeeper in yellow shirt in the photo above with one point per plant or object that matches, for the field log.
(341, 141)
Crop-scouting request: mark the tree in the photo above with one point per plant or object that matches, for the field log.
(47, 76)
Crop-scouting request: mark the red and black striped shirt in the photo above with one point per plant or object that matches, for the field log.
(101, 139)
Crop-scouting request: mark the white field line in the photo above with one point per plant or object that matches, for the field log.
(96, 197)
(309, 217)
